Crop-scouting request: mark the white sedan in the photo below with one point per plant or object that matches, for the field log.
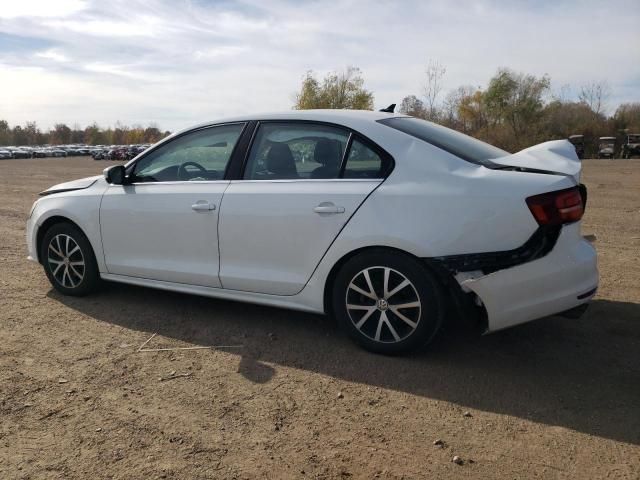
(389, 223)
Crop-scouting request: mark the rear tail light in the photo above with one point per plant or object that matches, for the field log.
(556, 208)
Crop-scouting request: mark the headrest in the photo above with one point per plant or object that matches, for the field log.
(280, 160)
(328, 152)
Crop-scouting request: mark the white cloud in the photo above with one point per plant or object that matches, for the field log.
(40, 8)
(52, 54)
(177, 63)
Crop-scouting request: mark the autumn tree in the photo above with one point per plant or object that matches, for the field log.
(338, 90)
(450, 115)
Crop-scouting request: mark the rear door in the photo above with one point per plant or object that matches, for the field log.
(301, 183)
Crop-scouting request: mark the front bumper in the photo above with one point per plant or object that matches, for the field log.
(31, 233)
(561, 280)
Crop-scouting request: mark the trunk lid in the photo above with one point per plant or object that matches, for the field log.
(556, 156)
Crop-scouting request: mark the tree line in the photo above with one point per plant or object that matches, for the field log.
(30, 134)
(515, 110)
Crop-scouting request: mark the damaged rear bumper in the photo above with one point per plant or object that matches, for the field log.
(563, 279)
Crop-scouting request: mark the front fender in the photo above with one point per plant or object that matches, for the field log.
(82, 207)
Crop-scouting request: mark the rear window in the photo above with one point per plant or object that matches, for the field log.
(456, 143)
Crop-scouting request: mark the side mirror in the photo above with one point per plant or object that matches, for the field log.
(114, 175)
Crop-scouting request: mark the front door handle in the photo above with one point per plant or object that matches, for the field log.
(203, 206)
(328, 207)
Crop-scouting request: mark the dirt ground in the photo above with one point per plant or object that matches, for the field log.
(556, 398)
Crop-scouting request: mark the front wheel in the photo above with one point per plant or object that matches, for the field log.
(387, 302)
(68, 260)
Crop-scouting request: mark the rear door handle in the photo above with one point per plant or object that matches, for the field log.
(328, 207)
(203, 206)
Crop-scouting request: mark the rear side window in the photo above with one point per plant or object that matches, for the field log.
(456, 143)
(296, 151)
(363, 162)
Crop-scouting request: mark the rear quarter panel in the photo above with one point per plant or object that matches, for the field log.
(435, 204)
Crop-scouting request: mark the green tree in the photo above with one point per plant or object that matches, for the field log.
(517, 100)
(93, 135)
(152, 134)
(338, 90)
(627, 117)
(413, 106)
(6, 135)
(77, 134)
(61, 134)
(19, 135)
(32, 133)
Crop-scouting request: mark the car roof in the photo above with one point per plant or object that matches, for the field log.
(341, 117)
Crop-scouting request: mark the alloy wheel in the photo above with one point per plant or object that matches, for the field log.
(383, 304)
(66, 261)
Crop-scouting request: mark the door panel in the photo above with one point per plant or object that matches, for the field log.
(163, 231)
(274, 233)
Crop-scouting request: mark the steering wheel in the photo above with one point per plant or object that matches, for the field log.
(183, 173)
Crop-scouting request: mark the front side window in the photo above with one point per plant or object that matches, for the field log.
(296, 150)
(197, 156)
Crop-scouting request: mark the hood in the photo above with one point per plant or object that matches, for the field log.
(557, 156)
(72, 185)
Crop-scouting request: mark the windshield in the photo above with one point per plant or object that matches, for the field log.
(634, 138)
(456, 143)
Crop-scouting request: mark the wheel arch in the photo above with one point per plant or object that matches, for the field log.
(47, 224)
(348, 256)
(458, 302)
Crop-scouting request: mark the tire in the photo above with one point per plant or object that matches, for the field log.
(373, 320)
(80, 274)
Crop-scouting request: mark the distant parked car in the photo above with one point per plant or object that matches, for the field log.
(5, 154)
(631, 145)
(99, 154)
(606, 147)
(56, 152)
(39, 153)
(578, 142)
(19, 153)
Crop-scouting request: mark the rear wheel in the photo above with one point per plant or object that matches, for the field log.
(387, 302)
(68, 260)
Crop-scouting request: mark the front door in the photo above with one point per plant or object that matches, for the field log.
(163, 225)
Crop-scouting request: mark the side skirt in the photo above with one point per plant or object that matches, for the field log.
(291, 302)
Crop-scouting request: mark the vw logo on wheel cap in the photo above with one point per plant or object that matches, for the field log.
(382, 304)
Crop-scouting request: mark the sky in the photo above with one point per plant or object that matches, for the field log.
(181, 62)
